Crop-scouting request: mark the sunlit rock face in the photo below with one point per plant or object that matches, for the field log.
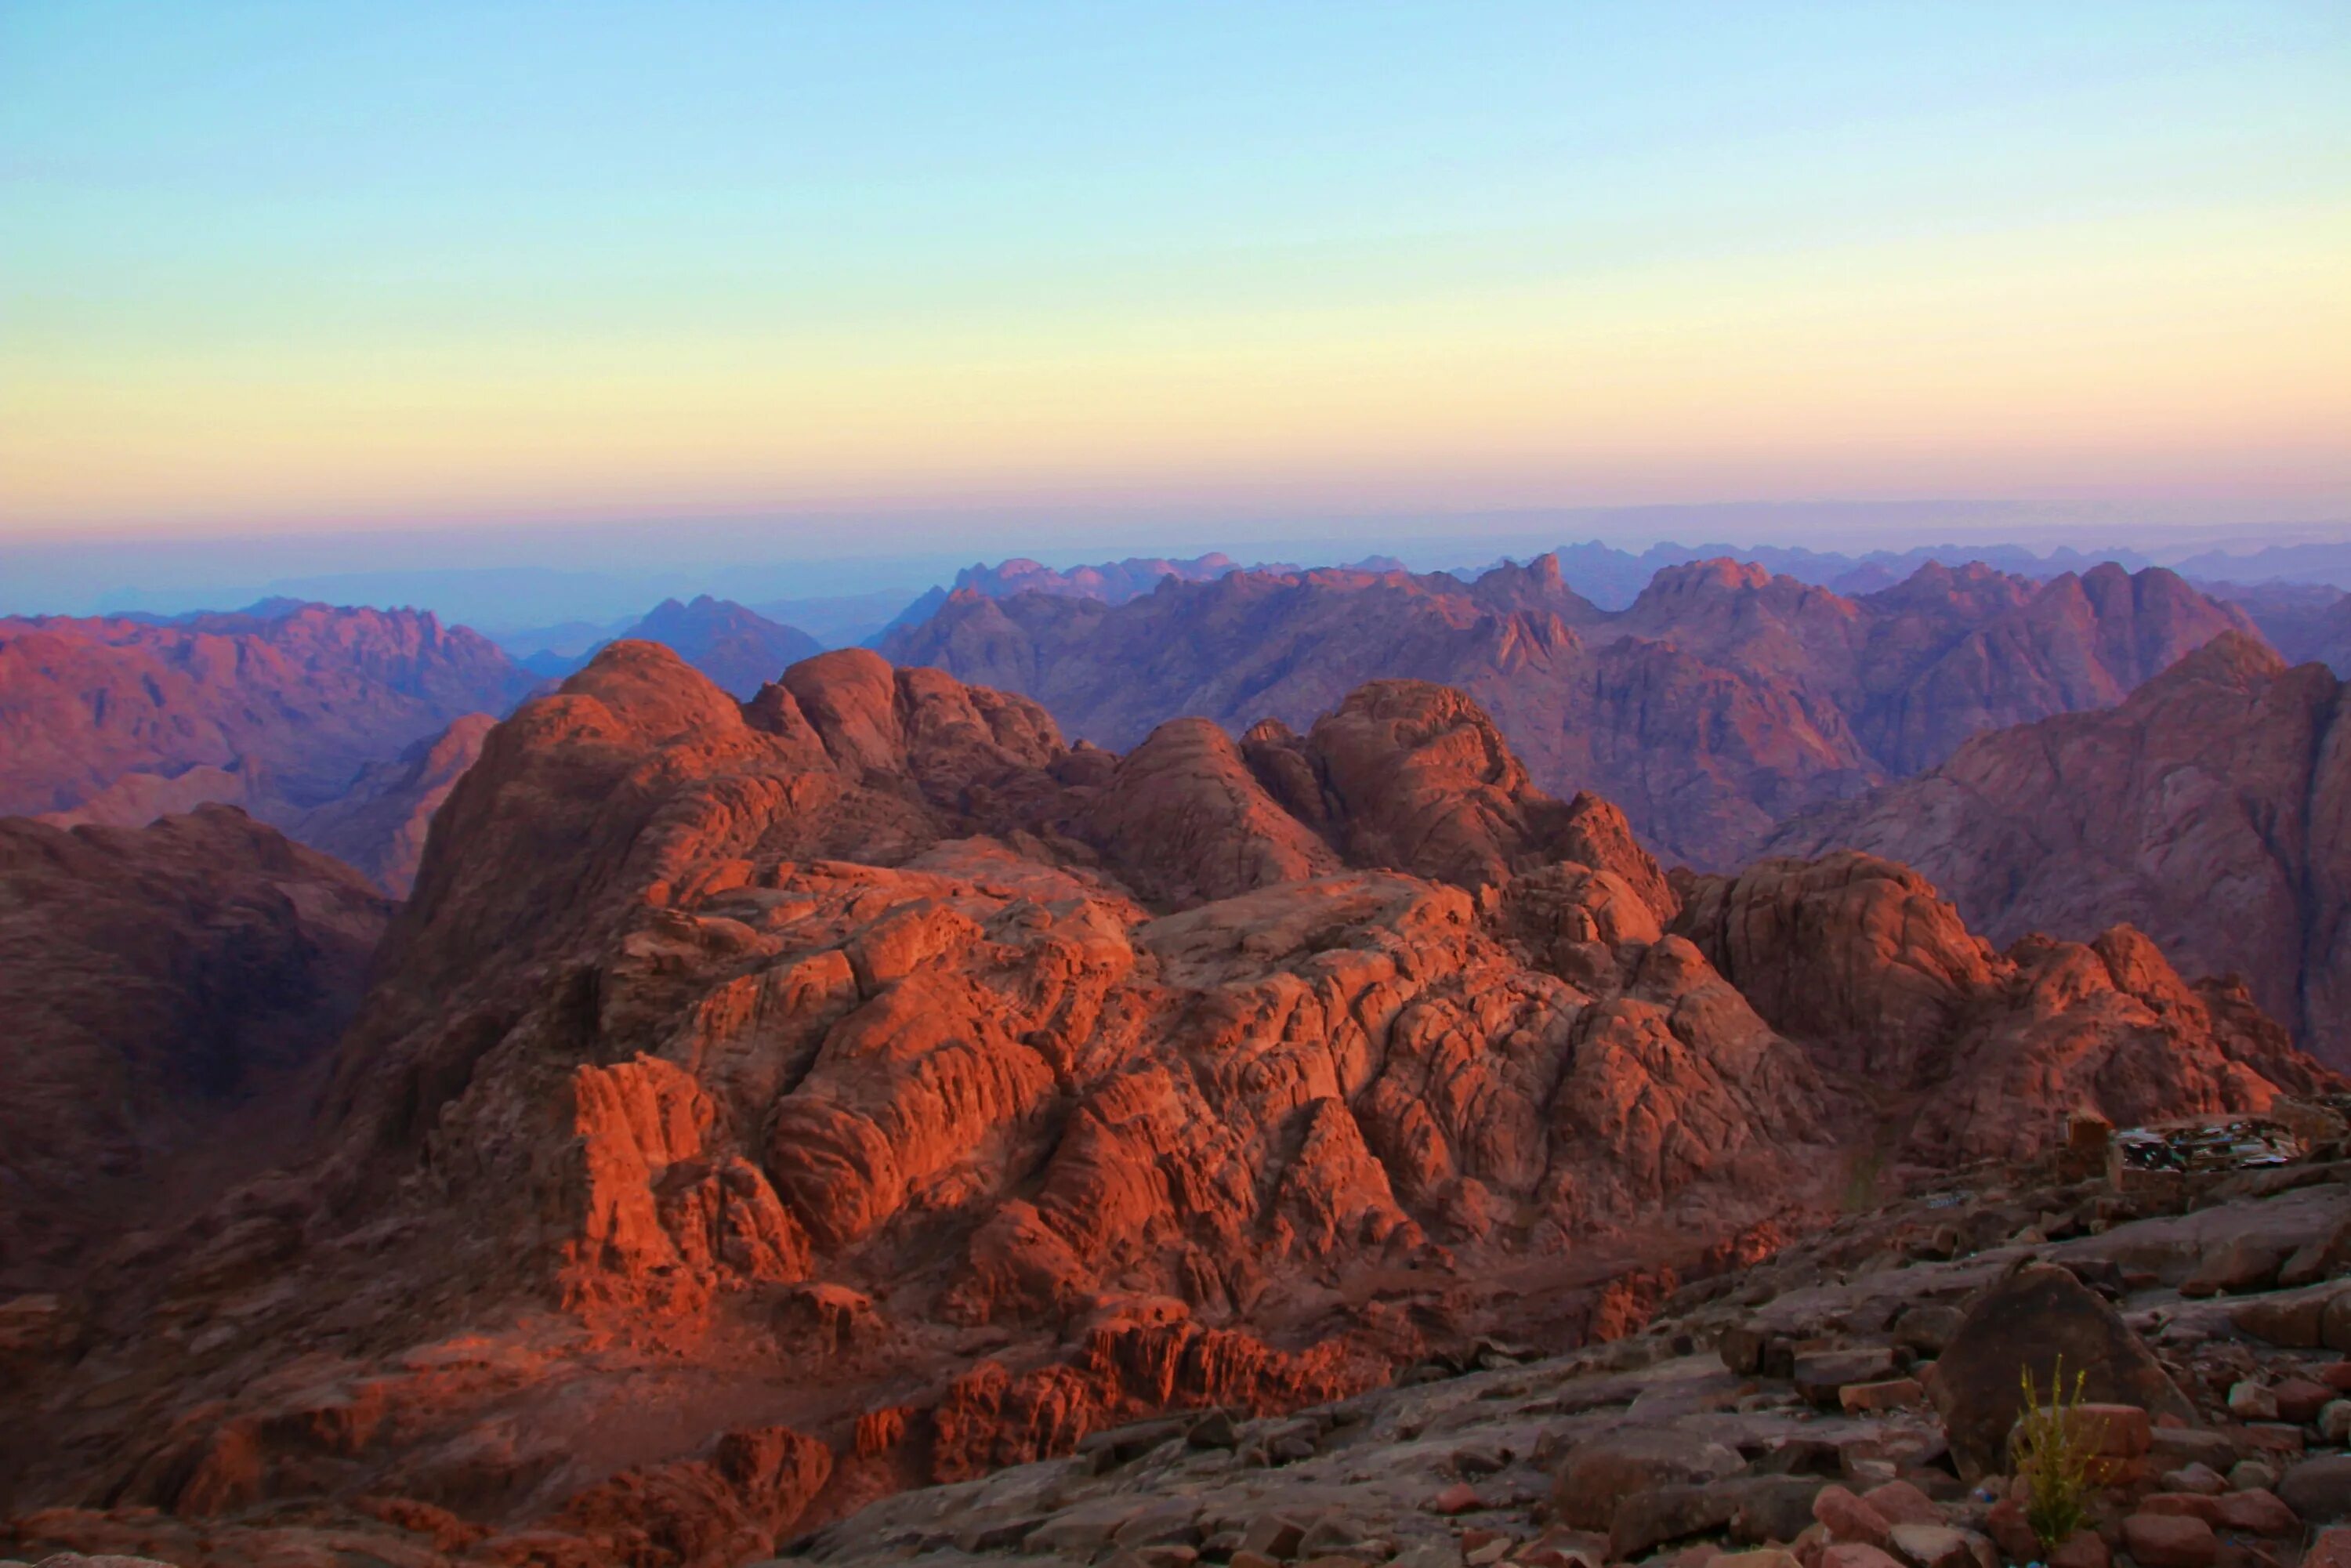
(762, 1107)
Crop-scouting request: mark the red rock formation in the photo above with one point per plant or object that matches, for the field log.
(1420, 780)
(1185, 812)
(2211, 809)
(1980, 1054)
(702, 1513)
(990, 1417)
(860, 1061)
(1723, 700)
(166, 990)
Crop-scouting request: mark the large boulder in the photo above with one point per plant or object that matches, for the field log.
(2319, 1489)
(2035, 1319)
(1600, 1474)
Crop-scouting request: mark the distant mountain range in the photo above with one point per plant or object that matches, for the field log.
(1609, 577)
(734, 645)
(1612, 578)
(1111, 582)
(343, 726)
(1721, 700)
(2306, 622)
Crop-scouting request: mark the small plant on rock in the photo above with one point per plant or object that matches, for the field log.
(1862, 1173)
(2056, 1450)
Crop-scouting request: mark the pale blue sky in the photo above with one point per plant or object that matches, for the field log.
(277, 263)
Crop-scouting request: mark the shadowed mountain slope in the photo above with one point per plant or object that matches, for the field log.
(2212, 810)
(169, 991)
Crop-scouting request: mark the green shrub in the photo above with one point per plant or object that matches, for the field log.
(2056, 1450)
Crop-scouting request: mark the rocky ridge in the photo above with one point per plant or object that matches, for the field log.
(1721, 701)
(766, 1107)
(1112, 582)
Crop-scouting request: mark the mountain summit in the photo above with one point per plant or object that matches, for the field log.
(867, 1082)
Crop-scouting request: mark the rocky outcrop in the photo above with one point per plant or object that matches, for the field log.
(2211, 810)
(169, 992)
(1419, 779)
(865, 1061)
(1974, 1054)
(1721, 701)
(1192, 821)
(2040, 1320)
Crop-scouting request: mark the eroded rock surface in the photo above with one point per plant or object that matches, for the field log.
(1703, 1439)
(767, 1107)
(1973, 1053)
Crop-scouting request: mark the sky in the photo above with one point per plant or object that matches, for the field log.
(894, 276)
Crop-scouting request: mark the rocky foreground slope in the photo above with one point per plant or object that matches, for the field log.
(1847, 1403)
(2211, 809)
(768, 1107)
(1844, 1404)
(1721, 701)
